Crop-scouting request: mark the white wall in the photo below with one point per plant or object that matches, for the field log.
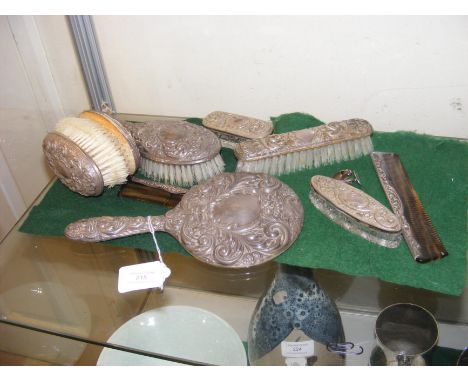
(399, 72)
(41, 82)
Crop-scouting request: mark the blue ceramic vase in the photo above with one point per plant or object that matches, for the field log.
(295, 310)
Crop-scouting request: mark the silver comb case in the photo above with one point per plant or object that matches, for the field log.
(234, 128)
(177, 152)
(307, 148)
(355, 211)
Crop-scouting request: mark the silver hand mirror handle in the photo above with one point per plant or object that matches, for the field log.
(111, 227)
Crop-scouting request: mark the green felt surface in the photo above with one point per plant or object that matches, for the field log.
(438, 169)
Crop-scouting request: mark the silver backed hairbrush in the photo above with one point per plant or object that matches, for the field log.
(278, 154)
(234, 128)
(355, 211)
(91, 152)
(177, 152)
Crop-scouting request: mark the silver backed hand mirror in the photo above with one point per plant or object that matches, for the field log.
(231, 220)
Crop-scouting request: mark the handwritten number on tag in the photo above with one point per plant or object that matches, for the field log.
(143, 276)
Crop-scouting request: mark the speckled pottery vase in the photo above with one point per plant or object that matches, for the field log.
(294, 322)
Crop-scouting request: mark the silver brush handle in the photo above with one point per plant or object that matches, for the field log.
(112, 227)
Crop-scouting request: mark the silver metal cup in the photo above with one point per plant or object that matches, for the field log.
(403, 332)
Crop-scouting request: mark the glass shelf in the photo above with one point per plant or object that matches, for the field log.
(59, 302)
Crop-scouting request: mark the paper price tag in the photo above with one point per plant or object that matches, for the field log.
(143, 276)
(297, 361)
(297, 349)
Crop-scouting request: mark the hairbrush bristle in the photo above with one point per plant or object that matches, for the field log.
(290, 162)
(182, 175)
(100, 145)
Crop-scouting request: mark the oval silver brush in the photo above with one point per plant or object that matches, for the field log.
(90, 152)
(177, 152)
(355, 211)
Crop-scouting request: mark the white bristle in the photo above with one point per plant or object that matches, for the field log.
(182, 175)
(103, 148)
(283, 164)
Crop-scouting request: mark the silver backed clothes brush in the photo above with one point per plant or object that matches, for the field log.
(177, 152)
(355, 210)
(283, 153)
(234, 128)
(90, 152)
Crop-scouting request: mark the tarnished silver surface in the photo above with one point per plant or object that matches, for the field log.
(240, 125)
(356, 203)
(300, 140)
(71, 165)
(420, 234)
(231, 220)
(355, 211)
(174, 142)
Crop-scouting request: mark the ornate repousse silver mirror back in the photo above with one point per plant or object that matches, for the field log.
(231, 220)
(355, 211)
